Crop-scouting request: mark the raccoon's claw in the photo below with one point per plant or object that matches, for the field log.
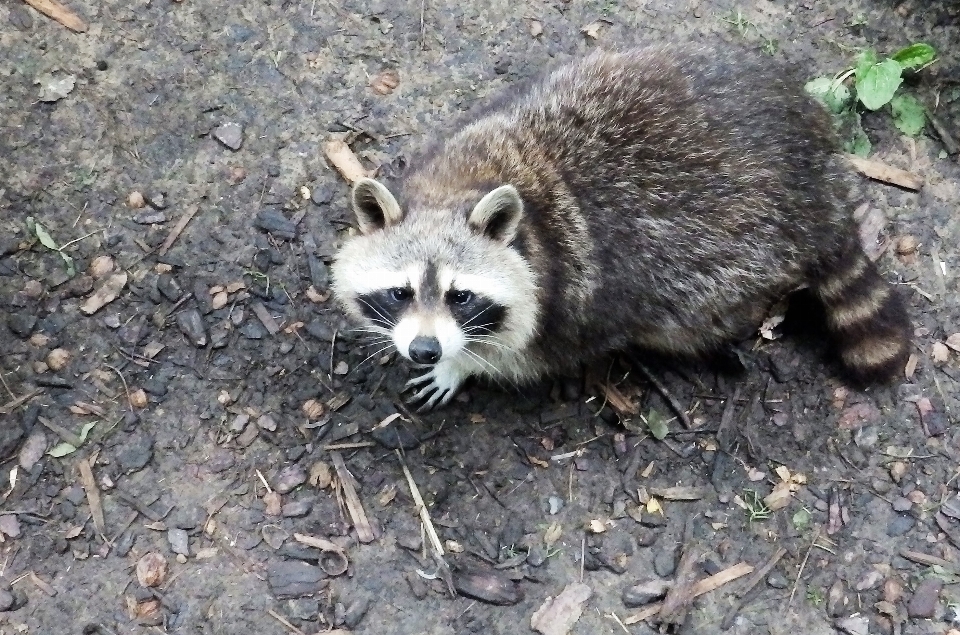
(437, 387)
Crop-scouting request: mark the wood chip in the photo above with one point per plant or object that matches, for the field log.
(265, 318)
(702, 587)
(178, 228)
(60, 13)
(344, 160)
(13, 404)
(105, 293)
(886, 173)
(42, 584)
(556, 616)
(93, 495)
(618, 401)
(354, 506)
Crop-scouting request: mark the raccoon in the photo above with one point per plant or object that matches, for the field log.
(654, 198)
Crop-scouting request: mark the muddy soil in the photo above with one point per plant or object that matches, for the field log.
(219, 409)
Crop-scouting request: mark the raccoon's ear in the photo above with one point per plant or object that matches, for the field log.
(498, 214)
(375, 207)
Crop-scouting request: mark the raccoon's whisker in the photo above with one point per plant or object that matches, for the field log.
(488, 342)
(465, 324)
(373, 355)
(379, 311)
(482, 360)
(385, 340)
(371, 329)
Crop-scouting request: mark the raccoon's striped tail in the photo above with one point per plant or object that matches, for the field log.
(867, 317)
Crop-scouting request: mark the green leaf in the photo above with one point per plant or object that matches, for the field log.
(44, 237)
(877, 86)
(63, 449)
(858, 143)
(801, 520)
(865, 61)
(85, 430)
(914, 55)
(658, 425)
(908, 114)
(834, 94)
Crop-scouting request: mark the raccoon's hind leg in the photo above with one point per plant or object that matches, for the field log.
(866, 316)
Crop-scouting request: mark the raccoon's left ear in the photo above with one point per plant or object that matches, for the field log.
(375, 207)
(498, 214)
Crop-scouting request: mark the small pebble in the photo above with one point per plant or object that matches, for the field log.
(665, 563)
(179, 541)
(900, 525)
(777, 580)
(229, 134)
(923, 602)
(290, 478)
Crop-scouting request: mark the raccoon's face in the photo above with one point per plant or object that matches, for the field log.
(440, 283)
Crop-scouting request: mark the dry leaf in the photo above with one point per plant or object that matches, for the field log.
(911, 366)
(940, 353)
(315, 296)
(779, 497)
(552, 535)
(385, 82)
(344, 160)
(219, 300)
(597, 526)
(592, 30)
(653, 506)
(151, 569)
(536, 28)
(233, 287)
(320, 475)
(954, 342)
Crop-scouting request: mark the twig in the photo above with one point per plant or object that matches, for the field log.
(723, 431)
(886, 173)
(666, 394)
(678, 598)
(125, 387)
(63, 433)
(949, 143)
(178, 229)
(349, 446)
(63, 15)
(702, 587)
(4, 382)
(284, 621)
(421, 507)
(10, 406)
(354, 506)
(745, 593)
(803, 565)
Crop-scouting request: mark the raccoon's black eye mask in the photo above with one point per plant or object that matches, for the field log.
(383, 307)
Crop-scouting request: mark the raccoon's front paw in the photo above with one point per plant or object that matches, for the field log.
(437, 386)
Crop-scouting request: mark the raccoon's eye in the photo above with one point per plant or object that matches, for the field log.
(461, 297)
(399, 294)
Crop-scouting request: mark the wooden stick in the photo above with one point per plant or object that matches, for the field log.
(63, 15)
(10, 406)
(354, 506)
(421, 508)
(702, 587)
(178, 229)
(886, 173)
(93, 496)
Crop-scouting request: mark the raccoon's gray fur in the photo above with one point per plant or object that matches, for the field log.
(657, 197)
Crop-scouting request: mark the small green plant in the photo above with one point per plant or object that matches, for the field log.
(47, 241)
(743, 25)
(875, 84)
(815, 596)
(756, 508)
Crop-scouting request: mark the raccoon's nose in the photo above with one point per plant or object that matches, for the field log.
(425, 350)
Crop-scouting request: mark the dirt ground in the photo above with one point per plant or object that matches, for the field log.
(195, 377)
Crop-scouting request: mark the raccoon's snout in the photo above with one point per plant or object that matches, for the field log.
(425, 350)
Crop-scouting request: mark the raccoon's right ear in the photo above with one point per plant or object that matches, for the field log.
(498, 214)
(375, 207)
